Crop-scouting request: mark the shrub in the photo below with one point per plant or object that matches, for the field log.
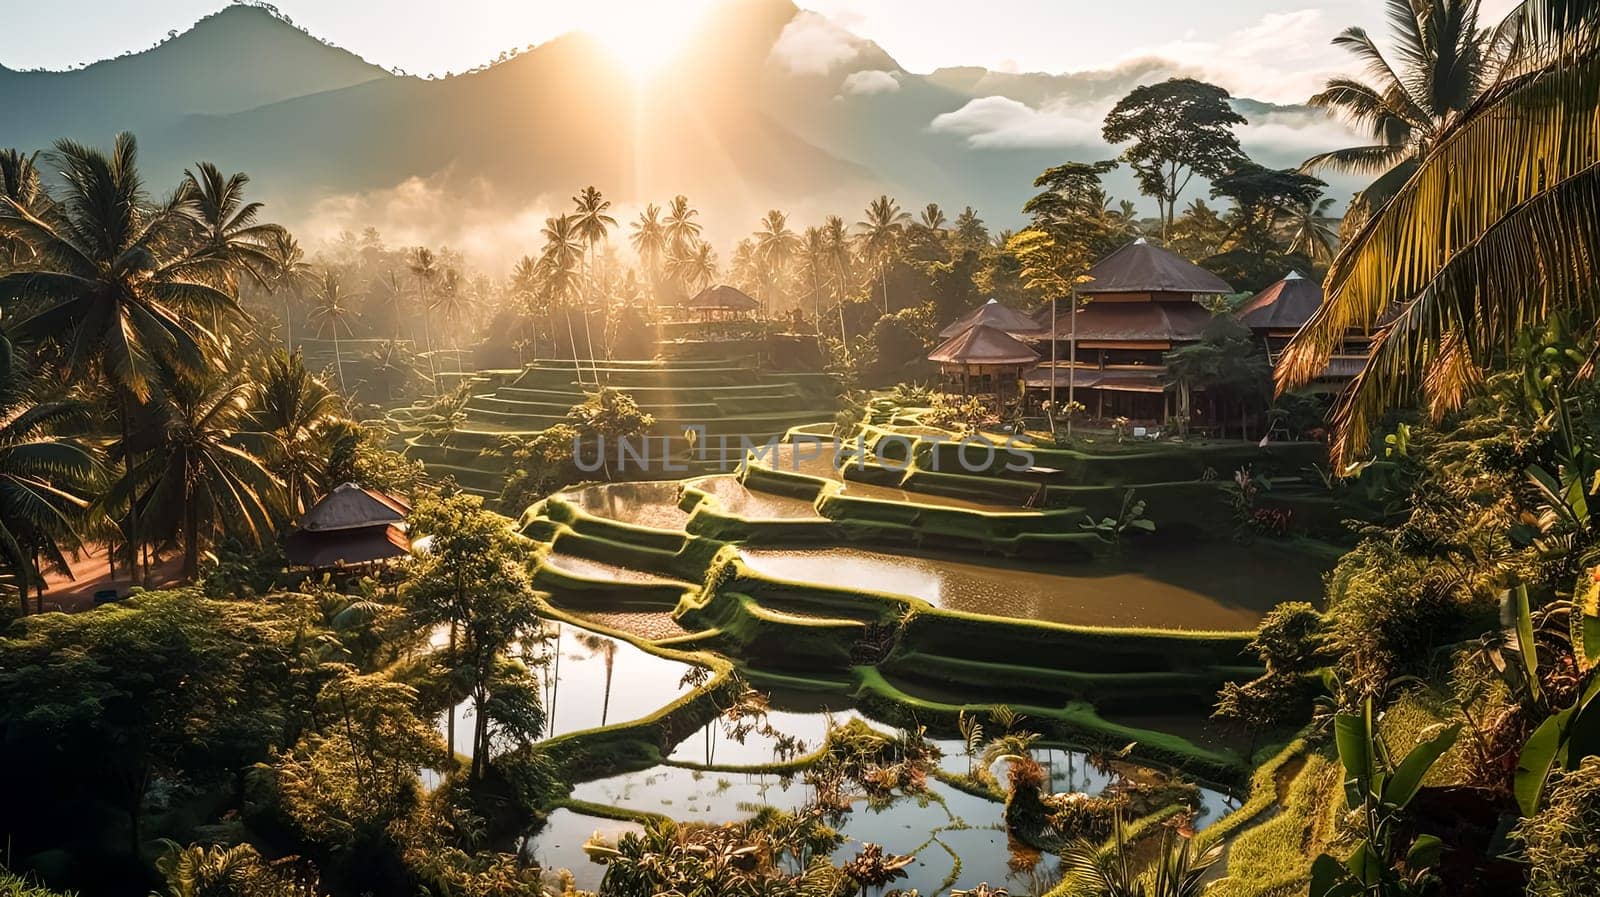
(1563, 842)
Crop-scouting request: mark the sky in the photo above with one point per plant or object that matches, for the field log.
(1269, 49)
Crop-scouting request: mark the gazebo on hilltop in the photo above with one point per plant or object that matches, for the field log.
(721, 303)
(349, 526)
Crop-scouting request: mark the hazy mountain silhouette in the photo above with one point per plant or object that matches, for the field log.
(765, 106)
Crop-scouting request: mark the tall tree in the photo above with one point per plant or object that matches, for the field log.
(775, 246)
(234, 240)
(1178, 129)
(681, 228)
(593, 222)
(331, 312)
(295, 408)
(650, 242)
(1444, 62)
(695, 266)
(207, 474)
(814, 265)
(561, 262)
(290, 274)
(20, 184)
(424, 267)
(42, 476)
(110, 272)
(880, 233)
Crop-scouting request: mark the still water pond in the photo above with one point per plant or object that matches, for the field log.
(1211, 586)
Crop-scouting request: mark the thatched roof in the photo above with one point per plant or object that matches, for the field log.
(981, 345)
(356, 545)
(352, 507)
(1000, 317)
(1151, 379)
(722, 297)
(1286, 305)
(1142, 267)
(1136, 322)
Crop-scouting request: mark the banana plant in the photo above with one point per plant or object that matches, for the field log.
(1378, 792)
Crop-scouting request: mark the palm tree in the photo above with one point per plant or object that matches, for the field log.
(295, 407)
(1445, 61)
(454, 304)
(1311, 229)
(203, 479)
(650, 241)
(525, 294)
(109, 270)
(695, 267)
(233, 240)
(331, 313)
(839, 255)
(880, 236)
(562, 255)
(19, 183)
(775, 245)
(681, 229)
(933, 220)
(971, 232)
(425, 268)
(593, 225)
(814, 261)
(291, 273)
(41, 474)
(607, 650)
(1497, 228)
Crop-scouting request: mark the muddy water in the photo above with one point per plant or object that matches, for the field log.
(739, 501)
(801, 459)
(577, 566)
(1216, 586)
(652, 504)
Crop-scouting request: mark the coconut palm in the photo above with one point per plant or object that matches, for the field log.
(331, 312)
(561, 261)
(775, 244)
(207, 474)
(650, 242)
(681, 228)
(524, 293)
(933, 220)
(41, 476)
(840, 257)
(606, 650)
(454, 303)
(290, 274)
(109, 273)
(695, 267)
(425, 269)
(814, 264)
(880, 235)
(1311, 231)
(295, 408)
(19, 183)
(971, 232)
(593, 225)
(1443, 62)
(234, 240)
(1495, 231)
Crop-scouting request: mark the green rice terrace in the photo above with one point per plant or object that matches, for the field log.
(893, 647)
(731, 399)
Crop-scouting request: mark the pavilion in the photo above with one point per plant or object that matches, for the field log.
(349, 526)
(984, 359)
(721, 303)
(1278, 312)
(1000, 317)
(1141, 303)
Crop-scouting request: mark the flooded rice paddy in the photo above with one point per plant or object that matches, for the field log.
(1211, 586)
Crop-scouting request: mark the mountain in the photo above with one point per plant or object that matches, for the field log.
(765, 106)
(237, 59)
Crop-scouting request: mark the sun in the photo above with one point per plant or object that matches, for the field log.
(644, 34)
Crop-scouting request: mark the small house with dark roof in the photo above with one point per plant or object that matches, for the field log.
(721, 303)
(1278, 312)
(1000, 317)
(983, 359)
(1141, 302)
(347, 527)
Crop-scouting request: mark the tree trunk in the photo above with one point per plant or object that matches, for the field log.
(450, 719)
(127, 485)
(191, 537)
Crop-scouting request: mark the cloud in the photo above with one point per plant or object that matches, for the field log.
(1003, 123)
(1255, 61)
(870, 81)
(813, 45)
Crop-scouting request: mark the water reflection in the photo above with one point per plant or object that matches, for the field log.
(739, 501)
(1220, 586)
(652, 504)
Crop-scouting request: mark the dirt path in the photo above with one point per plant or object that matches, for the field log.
(91, 574)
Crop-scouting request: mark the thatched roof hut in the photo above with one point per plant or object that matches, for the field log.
(349, 525)
(722, 298)
(984, 346)
(1000, 317)
(1143, 269)
(1284, 307)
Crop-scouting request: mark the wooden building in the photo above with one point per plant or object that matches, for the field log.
(983, 360)
(349, 526)
(1143, 301)
(1278, 312)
